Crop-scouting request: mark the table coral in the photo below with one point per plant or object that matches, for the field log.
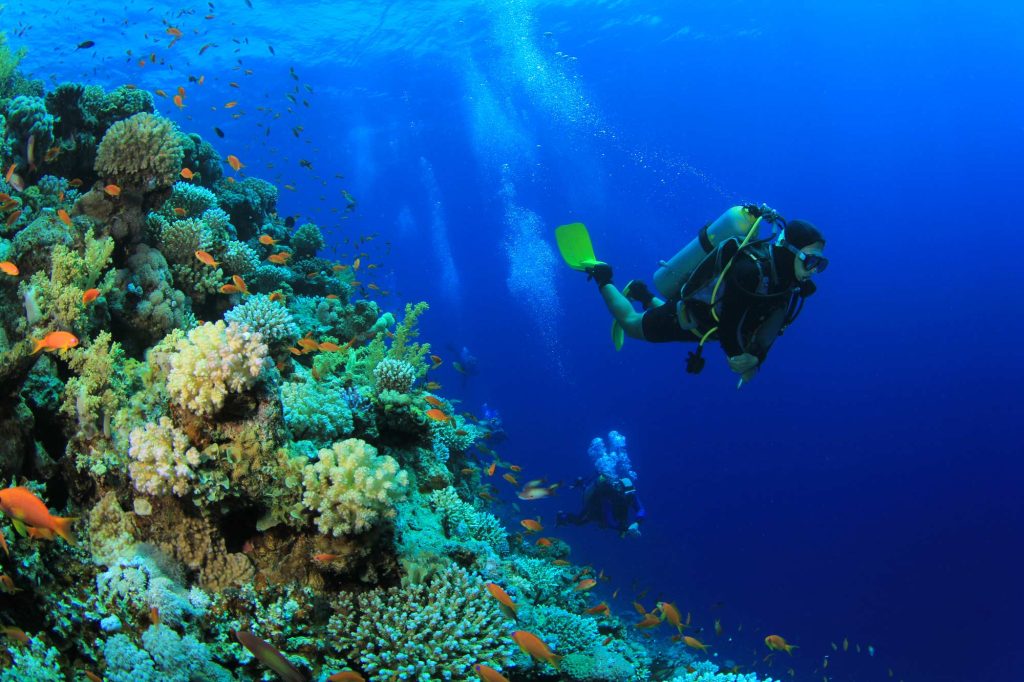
(213, 361)
(141, 153)
(351, 488)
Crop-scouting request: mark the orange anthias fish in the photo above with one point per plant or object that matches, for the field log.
(510, 478)
(14, 633)
(531, 644)
(531, 525)
(240, 283)
(778, 643)
(206, 259)
(508, 606)
(269, 656)
(235, 163)
(179, 101)
(176, 32)
(64, 217)
(434, 400)
(585, 584)
(491, 469)
(267, 240)
(670, 613)
(55, 341)
(231, 105)
(21, 504)
(537, 492)
(187, 173)
(488, 674)
(437, 415)
(601, 608)
(328, 347)
(326, 558)
(7, 585)
(3, 544)
(544, 542)
(346, 676)
(9, 268)
(694, 643)
(650, 621)
(90, 295)
(113, 190)
(40, 533)
(279, 258)
(308, 345)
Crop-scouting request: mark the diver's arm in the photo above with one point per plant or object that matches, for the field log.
(766, 334)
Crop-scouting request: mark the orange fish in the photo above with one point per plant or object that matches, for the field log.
(179, 211)
(7, 585)
(436, 360)
(492, 468)
(90, 295)
(346, 676)
(206, 259)
(531, 644)
(176, 32)
(649, 621)
(179, 101)
(77, 182)
(694, 643)
(229, 289)
(585, 584)
(339, 268)
(64, 217)
(10, 172)
(639, 608)
(3, 544)
(21, 504)
(510, 478)
(537, 492)
(544, 542)
(9, 268)
(430, 385)
(560, 562)
(51, 342)
(437, 415)
(231, 105)
(507, 605)
(435, 401)
(267, 240)
(355, 264)
(277, 296)
(279, 258)
(308, 345)
(181, 90)
(326, 558)
(488, 674)
(601, 608)
(40, 533)
(670, 613)
(187, 173)
(154, 615)
(112, 190)
(778, 643)
(14, 633)
(327, 346)
(531, 525)
(235, 163)
(240, 283)
(160, 92)
(515, 467)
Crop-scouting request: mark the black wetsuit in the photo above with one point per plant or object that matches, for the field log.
(749, 320)
(608, 506)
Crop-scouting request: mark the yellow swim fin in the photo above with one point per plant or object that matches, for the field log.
(575, 246)
(618, 335)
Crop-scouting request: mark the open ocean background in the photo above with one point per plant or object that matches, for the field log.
(868, 484)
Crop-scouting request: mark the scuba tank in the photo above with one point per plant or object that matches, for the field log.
(670, 278)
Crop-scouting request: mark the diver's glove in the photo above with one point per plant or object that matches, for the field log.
(600, 273)
(807, 288)
(634, 530)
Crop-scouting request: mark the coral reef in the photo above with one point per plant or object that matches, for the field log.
(142, 152)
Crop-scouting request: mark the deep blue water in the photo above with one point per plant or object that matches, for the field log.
(868, 483)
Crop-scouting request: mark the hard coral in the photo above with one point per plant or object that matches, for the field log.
(141, 153)
(163, 459)
(351, 488)
(215, 360)
(436, 629)
(270, 318)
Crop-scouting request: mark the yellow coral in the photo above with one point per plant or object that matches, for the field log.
(142, 152)
(352, 487)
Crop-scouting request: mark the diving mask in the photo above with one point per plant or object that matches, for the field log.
(813, 262)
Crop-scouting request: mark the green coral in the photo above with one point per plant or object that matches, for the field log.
(431, 630)
(141, 153)
(316, 411)
(351, 488)
(307, 240)
(36, 661)
(9, 61)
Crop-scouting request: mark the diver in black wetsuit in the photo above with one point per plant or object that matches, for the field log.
(610, 503)
(742, 294)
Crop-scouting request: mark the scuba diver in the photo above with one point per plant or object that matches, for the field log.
(725, 285)
(608, 502)
(609, 496)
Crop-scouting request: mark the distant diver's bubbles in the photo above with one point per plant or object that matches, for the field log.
(497, 137)
(531, 271)
(439, 234)
(406, 223)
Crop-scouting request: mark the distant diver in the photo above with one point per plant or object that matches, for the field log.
(610, 499)
(725, 285)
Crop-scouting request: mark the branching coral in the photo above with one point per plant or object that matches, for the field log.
(351, 488)
(163, 459)
(394, 375)
(436, 629)
(316, 411)
(462, 521)
(141, 153)
(213, 361)
(165, 655)
(270, 318)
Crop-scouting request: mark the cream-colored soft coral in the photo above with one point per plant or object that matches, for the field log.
(214, 360)
(352, 487)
